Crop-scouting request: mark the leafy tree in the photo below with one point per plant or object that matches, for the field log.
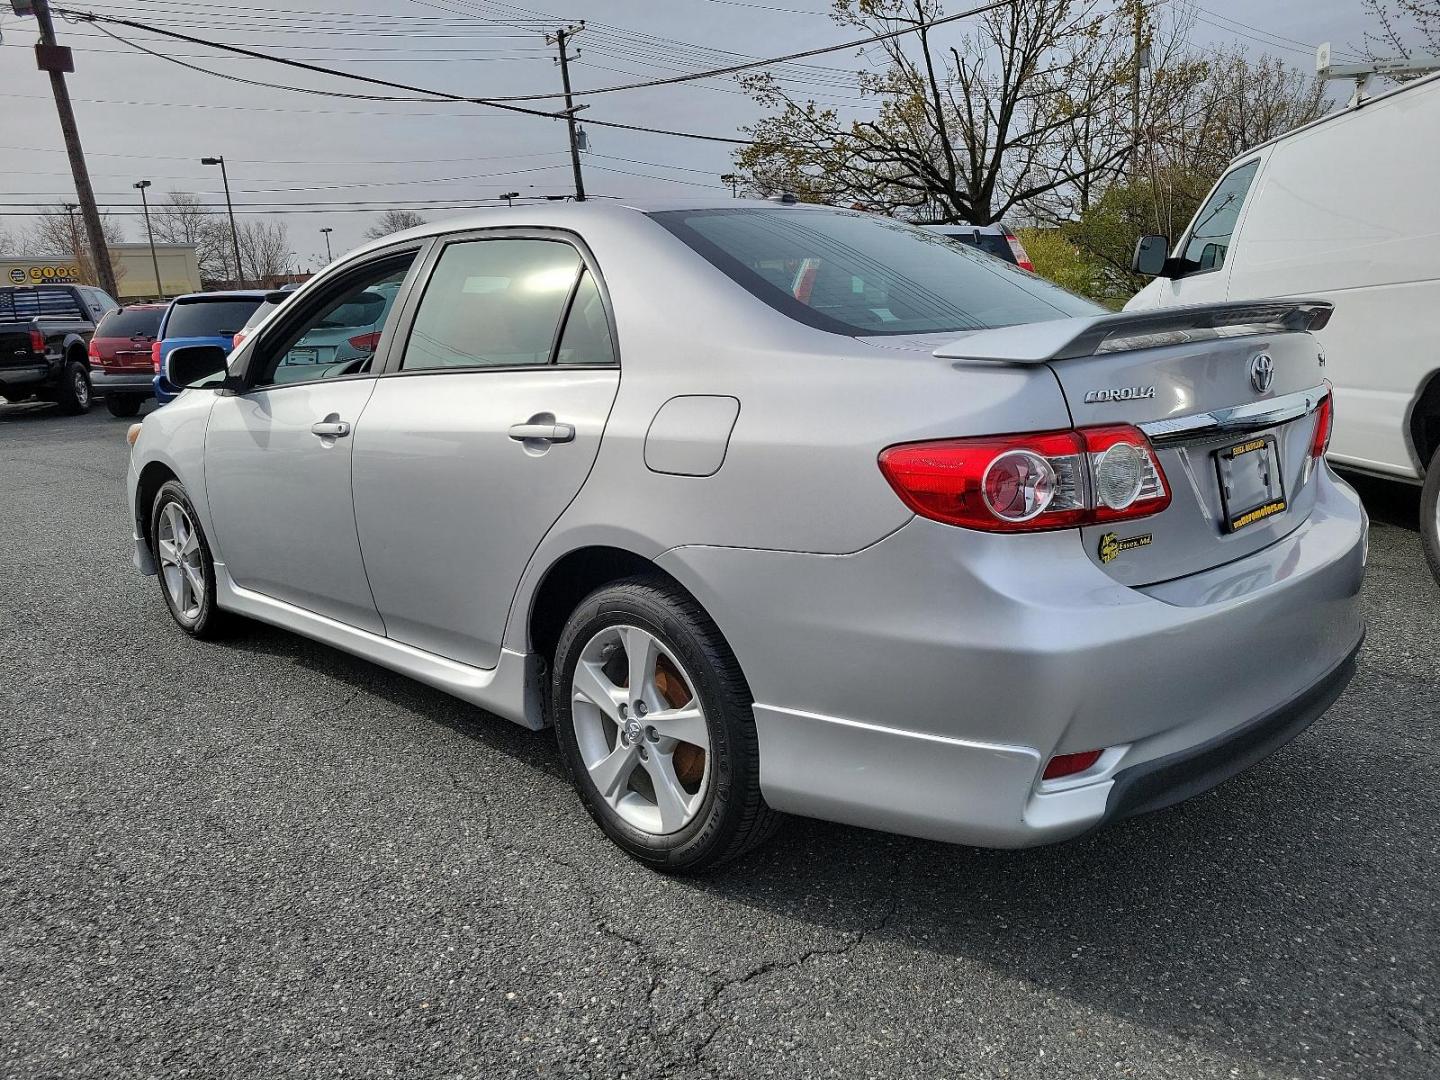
(393, 221)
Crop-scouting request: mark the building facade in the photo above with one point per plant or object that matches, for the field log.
(134, 270)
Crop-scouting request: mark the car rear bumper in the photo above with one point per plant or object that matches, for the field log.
(130, 382)
(920, 685)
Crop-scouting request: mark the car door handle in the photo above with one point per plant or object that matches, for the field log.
(551, 433)
(330, 429)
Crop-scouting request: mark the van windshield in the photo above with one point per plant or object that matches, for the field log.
(857, 274)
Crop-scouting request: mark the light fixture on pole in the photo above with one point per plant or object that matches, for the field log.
(327, 231)
(141, 185)
(230, 206)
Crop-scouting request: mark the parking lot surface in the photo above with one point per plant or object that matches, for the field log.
(265, 858)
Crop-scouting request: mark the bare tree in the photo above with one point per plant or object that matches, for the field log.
(265, 250)
(963, 133)
(183, 219)
(393, 221)
(57, 232)
(1389, 35)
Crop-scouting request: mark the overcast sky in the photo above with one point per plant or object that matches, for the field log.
(142, 117)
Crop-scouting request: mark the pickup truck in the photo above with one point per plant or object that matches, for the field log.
(45, 333)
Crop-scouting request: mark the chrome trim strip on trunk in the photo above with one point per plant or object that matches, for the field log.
(1251, 417)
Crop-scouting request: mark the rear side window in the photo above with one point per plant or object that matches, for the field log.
(209, 318)
(1215, 223)
(130, 322)
(586, 338)
(857, 274)
(492, 303)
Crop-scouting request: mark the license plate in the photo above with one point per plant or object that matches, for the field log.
(302, 356)
(1252, 488)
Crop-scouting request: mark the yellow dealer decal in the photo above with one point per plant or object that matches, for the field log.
(1111, 545)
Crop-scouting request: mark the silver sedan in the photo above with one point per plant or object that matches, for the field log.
(781, 508)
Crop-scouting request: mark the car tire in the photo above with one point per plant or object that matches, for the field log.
(718, 811)
(74, 394)
(1430, 515)
(122, 404)
(186, 567)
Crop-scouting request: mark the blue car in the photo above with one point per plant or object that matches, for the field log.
(212, 318)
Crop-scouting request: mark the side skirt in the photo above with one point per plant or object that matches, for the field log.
(510, 689)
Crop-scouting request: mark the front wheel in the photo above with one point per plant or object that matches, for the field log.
(1430, 515)
(654, 722)
(187, 570)
(122, 404)
(74, 395)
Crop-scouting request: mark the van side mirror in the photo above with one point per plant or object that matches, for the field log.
(1151, 253)
(195, 366)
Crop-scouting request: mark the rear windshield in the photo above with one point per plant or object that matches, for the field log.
(857, 274)
(130, 322)
(54, 302)
(990, 243)
(209, 318)
(259, 313)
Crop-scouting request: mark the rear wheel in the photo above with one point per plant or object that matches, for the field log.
(187, 570)
(1430, 515)
(122, 404)
(654, 722)
(73, 395)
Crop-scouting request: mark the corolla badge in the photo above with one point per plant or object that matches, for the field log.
(1262, 372)
(1119, 393)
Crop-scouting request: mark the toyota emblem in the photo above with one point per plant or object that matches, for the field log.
(1262, 372)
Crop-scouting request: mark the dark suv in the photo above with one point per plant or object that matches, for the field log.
(45, 333)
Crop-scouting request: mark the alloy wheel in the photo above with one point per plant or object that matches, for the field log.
(82, 388)
(641, 729)
(178, 542)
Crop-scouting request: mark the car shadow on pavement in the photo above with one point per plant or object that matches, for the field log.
(1388, 502)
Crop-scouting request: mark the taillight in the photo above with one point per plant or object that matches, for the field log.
(1022, 257)
(94, 350)
(1026, 483)
(366, 342)
(37, 342)
(1070, 764)
(1324, 423)
(237, 339)
(155, 355)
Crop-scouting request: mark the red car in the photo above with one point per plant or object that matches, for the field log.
(120, 365)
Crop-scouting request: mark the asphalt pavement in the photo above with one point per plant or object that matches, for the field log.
(267, 859)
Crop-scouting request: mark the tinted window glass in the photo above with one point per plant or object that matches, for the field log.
(990, 243)
(259, 313)
(56, 302)
(586, 337)
(340, 335)
(130, 322)
(209, 318)
(853, 273)
(1215, 223)
(492, 303)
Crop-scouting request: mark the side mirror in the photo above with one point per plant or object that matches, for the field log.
(196, 365)
(1150, 254)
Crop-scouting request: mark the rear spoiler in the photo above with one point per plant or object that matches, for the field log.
(1064, 339)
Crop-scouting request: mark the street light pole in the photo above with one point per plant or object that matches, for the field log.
(230, 206)
(154, 259)
(327, 231)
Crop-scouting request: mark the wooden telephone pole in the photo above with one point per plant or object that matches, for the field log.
(560, 38)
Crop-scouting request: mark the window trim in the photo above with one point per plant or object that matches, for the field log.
(1178, 255)
(396, 354)
(316, 298)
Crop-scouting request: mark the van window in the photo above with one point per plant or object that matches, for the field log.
(1215, 223)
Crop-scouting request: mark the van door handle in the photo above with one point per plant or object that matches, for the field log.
(550, 433)
(330, 429)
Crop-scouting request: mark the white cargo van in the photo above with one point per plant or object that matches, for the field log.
(1345, 209)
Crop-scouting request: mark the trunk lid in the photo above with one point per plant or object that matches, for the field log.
(1227, 395)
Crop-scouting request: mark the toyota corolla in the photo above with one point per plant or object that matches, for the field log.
(779, 508)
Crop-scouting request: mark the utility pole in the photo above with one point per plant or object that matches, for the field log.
(327, 231)
(154, 259)
(57, 60)
(734, 181)
(230, 206)
(559, 38)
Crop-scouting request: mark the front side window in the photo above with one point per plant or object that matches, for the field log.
(493, 303)
(1215, 223)
(858, 274)
(340, 333)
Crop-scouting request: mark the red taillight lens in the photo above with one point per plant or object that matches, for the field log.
(237, 339)
(1022, 257)
(94, 350)
(1070, 764)
(1024, 483)
(155, 355)
(37, 341)
(1324, 423)
(366, 342)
